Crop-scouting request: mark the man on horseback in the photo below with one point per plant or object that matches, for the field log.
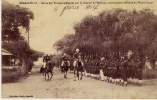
(48, 67)
(77, 61)
(46, 59)
(65, 64)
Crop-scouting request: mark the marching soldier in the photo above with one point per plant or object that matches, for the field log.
(109, 70)
(101, 64)
(97, 69)
(124, 71)
(105, 70)
(136, 70)
(111, 66)
(117, 72)
(113, 70)
(85, 65)
(139, 72)
(91, 68)
(121, 69)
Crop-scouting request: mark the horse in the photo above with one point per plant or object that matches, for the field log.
(42, 69)
(65, 68)
(49, 70)
(78, 68)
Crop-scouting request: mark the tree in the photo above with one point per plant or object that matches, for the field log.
(114, 30)
(14, 16)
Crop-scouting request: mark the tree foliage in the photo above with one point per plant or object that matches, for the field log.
(13, 17)
(113, 31)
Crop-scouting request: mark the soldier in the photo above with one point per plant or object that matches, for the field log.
(113, 70)
(136, 71)
(45, 60)
(117, 73)
(105, 70)
(125, 71)
(101, 64)
(121, 69)
(85, 65)
(88, 68)
(108, 70)
(111, 65)
(139, 72)
(64, 59)
(97, 69)
(92, 69)
(77, 58)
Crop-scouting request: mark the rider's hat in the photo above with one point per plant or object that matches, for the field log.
(77, 49)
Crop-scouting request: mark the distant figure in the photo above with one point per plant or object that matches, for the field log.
(17, 62)
(31, 64)
(12, 62)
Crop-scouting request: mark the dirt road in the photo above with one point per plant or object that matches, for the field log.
(36, 87)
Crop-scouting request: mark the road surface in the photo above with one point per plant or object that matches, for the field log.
(35, 86)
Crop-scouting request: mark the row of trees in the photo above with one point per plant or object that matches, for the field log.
(115, 30)
(13, 17)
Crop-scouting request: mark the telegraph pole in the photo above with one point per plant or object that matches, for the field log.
(27, 53)
(28, 50)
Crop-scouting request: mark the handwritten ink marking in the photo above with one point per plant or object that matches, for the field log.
(69, 7)
(56, 8)
(92, 7)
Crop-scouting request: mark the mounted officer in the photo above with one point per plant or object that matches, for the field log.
(77, 57)
(78, 63)
(65, 60)
(46, 59)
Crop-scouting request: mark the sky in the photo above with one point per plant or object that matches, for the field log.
(48, 26)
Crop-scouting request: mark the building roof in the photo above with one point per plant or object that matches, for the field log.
(5, 52)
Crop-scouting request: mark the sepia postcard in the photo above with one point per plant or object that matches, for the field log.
(79, 49)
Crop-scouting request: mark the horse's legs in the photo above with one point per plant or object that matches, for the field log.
(51, 75)
(45, 75)
(48, 75)
(78, 74)
(43, 71)
(74, 75)
(66, 73)
(81, 75)
(74, 72)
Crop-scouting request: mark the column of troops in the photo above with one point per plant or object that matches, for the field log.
(120, 70)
